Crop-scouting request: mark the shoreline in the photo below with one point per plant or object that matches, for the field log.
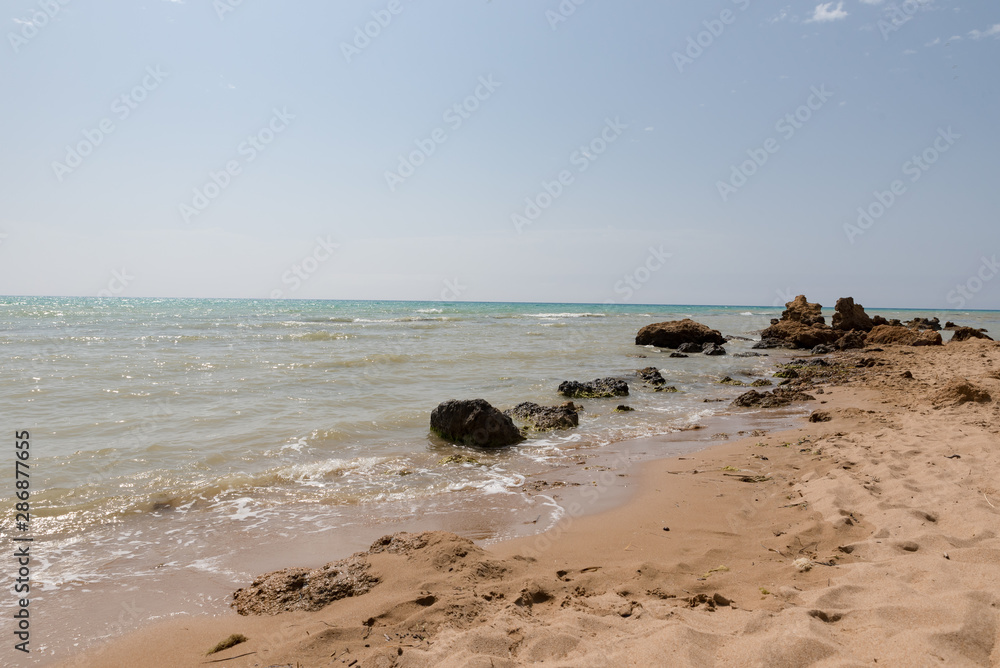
(868, 543)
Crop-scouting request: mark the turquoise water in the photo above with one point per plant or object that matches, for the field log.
(159, 423)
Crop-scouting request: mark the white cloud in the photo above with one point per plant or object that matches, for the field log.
(823, 13)
(909, 52)
(934, 42)
(992, 31)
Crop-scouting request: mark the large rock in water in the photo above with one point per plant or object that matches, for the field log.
(672, 334)
(474, 422)
(595, 389)
(544, 418)
(966, 333)
(851, 316)
(801, 326)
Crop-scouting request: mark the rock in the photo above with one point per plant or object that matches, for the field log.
(651, 375)
(674, 333)
(903, 336)
(458, 459)
(761, 382)
(960, 391)
(851, 340)
(774, 321)
(595, 389)
(731, 381)
(714, 349)
(924, 323)
(850, 316)
(820, 416)
(304, 589)
(800, 310)
(895, 322)
(474, 422)
(966, 333)
(624, 409)
(677, 355)
(928, 338)
(667, 389)
(749, 354)
(781, 396)
(950, 325)
(822, 349)
(768, 343)
(879, 320)
(906, 374)
(799, 335)
(543, 418)
(690, 347)
(787, 373)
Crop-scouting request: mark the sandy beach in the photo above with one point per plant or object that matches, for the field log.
(868, 538)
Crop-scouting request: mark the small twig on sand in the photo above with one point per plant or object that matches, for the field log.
(988, 500)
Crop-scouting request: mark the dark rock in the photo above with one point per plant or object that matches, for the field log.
(674, 333)
(730, 381)
(714, 349)
(851, 340)
(787, 373)
(781, 396)
(595, 389)
(933, 324)
(879, 320)
(690, 347)
(851, 316)
(624, 409)
(543, 418)
(812, 361)
(966, 333)
(651, 375)
(474, 422)
(761, 382)
(799, 335)
(769, 343)
(822, 349)
(749, 354)
(950, 325)
(820, 416)
(895, 323)
(667, 389)
(907, 374)
(774, 321)
(732, 337)
(677, 355)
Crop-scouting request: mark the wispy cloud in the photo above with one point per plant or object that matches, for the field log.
(824, 14)
(993, 31)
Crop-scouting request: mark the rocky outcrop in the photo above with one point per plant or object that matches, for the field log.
(690, 347)
(595, 389)
(801, 326)
(800, 310)
(850, 340)
(769, 343)
(672, 334)
(713, 349)
(966, 333)
(781, 396)
(850, 316)
(652, 376)
(902, 336)
(923, 323)
(294, 589)
(474, 422)
(544, 418)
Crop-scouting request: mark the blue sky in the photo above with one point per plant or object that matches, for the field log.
(528, 150)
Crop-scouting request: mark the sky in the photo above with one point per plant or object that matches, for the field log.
(655, 152)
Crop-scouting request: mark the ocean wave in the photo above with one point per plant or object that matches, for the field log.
(570, 315)
(319, 336)
(429, 310)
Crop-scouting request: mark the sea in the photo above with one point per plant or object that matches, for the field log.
(179, 447)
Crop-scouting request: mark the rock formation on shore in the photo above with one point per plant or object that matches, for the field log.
(595, 389)
(544, 418)
(850, 316)
(474, 422)
(652, 376)
(676, 332)
(903, 336)
(966, 333)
